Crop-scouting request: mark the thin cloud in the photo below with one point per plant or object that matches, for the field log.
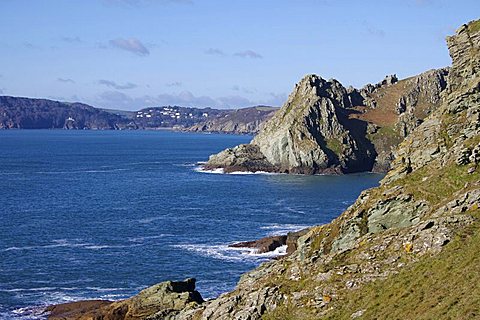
(243, 89)
(174, 84)
(1, 91)
(215, 52)
(132, 45)
(116, 99)
(376, 32)
(29, 45)
(248, 54)
(114, 85)
(72, 39)
(65, 80)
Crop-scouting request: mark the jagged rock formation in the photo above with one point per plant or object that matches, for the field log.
(431, 195)
(310, 134)
(243, 121)
(325, 128)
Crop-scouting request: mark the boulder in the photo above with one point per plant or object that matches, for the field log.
(161, 301)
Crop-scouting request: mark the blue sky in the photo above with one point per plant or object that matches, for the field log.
(127, 54)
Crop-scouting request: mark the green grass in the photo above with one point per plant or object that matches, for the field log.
(436, 184)
(474, 26)
(445, 286)
(335, 146)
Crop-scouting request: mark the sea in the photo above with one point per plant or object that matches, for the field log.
(105, 214)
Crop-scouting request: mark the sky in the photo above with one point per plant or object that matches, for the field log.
(129, 54)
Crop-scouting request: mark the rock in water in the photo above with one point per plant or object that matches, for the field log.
(161, 301)
(262, 245)
(311, 133)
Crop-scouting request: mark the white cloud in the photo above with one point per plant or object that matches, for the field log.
(174, 84)
(248, 54)
(132, 45)
(215, 52)
(120, 100)
(65, 80)
(114, 85)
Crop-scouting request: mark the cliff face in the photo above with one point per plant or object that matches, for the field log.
(427, 208)
(326, 128)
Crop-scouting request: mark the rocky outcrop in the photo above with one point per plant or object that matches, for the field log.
(268, 244)
(161, 301)
(326, 128)
(241, 121)
(422, 98)
(310, 134)
(425, 214)
(262, 245)
(431, 194)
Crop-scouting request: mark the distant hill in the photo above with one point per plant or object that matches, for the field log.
(27, 113)
(246, 120)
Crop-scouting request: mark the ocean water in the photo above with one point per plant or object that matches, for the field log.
(104, 214)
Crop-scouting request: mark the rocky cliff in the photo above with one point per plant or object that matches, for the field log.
(395, 252)
(327, 128)
(407, 249)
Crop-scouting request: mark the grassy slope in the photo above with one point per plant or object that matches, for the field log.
(445, 286)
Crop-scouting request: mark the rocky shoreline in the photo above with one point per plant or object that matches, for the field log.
(407, 249)
(164, 298)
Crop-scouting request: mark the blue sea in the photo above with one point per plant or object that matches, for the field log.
(104, 214)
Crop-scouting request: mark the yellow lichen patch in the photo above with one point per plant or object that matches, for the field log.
(327, 299)
(408, 247)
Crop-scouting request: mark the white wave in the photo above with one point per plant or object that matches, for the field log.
(64, 243)
(141, 239)
(82, 171)
(105, 289)
(202, 170)
(186, 164)
(282, 229)
(106, 246)
(295, 210)
(252, 172)
(222, 171)
(26, 313)
(60, 243)
(224, 252)
(149, 220)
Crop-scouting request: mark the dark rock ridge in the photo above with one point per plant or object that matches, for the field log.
(270, 243)
(262, 245)
(27, 113)
(326, 128)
